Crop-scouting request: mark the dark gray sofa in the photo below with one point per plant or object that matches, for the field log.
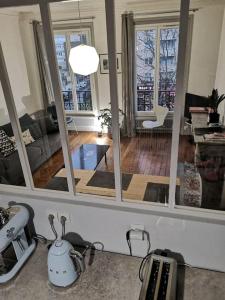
(47, 142)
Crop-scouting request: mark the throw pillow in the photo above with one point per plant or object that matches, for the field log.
(8, 129)
(35, 130)
(6, 146)
(26, 120)
(27, 138)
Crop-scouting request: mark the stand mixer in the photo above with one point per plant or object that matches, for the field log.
(16, 244)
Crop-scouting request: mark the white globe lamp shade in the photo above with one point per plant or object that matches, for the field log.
(84, 60)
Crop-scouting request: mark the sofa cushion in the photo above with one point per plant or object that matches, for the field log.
(47, 125)
(6, 145)
(54, 142)
(3, 180)
(2, 167)
(36, 155)
(13, 169)
(26, 122)
(27, 138)
(35, 130)
(8, 129)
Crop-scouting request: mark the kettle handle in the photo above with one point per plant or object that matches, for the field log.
(79, 259)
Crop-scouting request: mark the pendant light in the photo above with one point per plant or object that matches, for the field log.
(83, 59)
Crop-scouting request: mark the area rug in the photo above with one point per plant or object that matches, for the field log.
(158, 192)
(103, 179)
(59, 184)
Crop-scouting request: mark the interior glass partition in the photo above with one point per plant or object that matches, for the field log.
(29, 74)
(202, 139)
(146, 131)
(11, 172)
(88, 117)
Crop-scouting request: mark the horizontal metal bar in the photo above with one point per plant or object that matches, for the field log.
(16, 3)
(84, 25)
(162, 12)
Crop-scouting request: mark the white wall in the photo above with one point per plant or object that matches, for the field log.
(200, 243)
(220, 74)
(16, 66)
(205, 49)
(203, 65)
(204, 52)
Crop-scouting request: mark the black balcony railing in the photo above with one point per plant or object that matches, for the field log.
(166, 98)
(145, 99)
(83, 100)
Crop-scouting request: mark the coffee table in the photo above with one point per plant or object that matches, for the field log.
(88, 156)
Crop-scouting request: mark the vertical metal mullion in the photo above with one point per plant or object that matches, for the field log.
(9, 99)
(51, 56)
(157, 68)
(180, 94)
(111, 41)
(72, 75)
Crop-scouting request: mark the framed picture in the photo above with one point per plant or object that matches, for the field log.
(104, 63)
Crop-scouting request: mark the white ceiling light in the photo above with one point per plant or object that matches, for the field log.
(83, 59)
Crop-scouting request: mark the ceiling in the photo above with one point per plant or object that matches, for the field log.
(98, 5)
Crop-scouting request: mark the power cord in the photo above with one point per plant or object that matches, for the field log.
(128, 241)
(51, 221)
(144, 233)
(142, 266)
(42, 239)
(63, 222)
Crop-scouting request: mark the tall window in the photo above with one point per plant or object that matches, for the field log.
(77, 90)
(156, 62)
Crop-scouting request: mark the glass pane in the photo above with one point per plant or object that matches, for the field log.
(168, 66)
(11, 172)
(83, 83)
(145, 68)
(66, 82)
(201, 161)
(29, 74)
(90, 135)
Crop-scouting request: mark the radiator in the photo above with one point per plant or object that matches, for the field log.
(160, 279)
(166, 128)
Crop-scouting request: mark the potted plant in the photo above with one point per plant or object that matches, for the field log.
(215, 100)
(105, 118)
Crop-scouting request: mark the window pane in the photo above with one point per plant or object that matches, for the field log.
(83, 83)
(66, 82)
(201, 161)
(11, 172)
(168, 66)
(145, 68)
(89, 135)
(29, 74)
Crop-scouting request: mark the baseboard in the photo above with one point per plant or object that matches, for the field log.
(82, 128)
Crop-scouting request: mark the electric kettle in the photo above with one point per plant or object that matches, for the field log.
(64, 263)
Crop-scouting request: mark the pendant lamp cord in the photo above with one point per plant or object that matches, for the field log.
(78, 3)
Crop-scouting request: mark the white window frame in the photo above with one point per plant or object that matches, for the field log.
(87, 31)
(216, 217)
(149, 26)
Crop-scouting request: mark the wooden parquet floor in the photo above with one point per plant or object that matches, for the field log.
(147, 154)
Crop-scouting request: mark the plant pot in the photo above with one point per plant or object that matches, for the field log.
(214, 117)
(99, 133)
